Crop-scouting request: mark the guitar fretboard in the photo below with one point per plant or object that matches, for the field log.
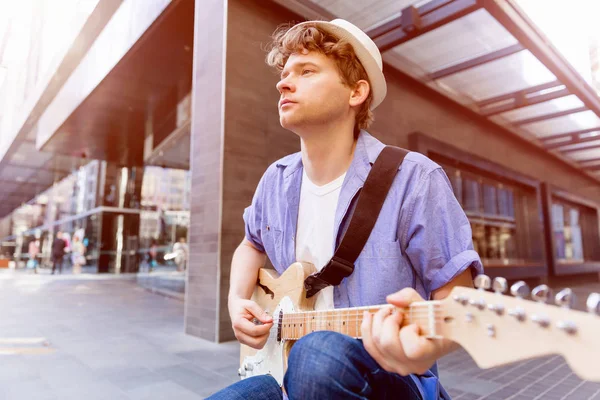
(348, 321)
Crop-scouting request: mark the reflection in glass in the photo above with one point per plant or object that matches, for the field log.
(567, 233)
(491, 208)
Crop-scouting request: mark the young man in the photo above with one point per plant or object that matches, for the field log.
(420, 247)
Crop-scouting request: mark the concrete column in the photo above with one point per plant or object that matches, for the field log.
(206, 155)
(235, 136)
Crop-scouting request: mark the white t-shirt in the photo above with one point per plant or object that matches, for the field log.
(314, 237)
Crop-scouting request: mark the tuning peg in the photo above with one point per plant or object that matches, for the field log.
(567, 326)
(593, 303)
(483, 282)
(519, 289)
(541, 293)
(565, 298)
(500, 285)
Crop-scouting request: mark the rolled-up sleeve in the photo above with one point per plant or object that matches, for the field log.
(438, 238)
(253, 218)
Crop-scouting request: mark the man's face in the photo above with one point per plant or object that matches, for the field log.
(312, 92)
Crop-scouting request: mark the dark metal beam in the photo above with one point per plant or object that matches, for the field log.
(518, 93)
(575, 140)
(550, 116)
(414, 22)
(590, 147)
(592, 168)
(589, 163)
(477, 61)
(427, 8)
(525, 102)
(573, 134)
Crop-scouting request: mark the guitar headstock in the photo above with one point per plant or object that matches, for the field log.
(496, 329)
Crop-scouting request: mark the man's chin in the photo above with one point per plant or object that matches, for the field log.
(287, 123)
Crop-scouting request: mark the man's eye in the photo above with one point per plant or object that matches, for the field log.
(306, 71)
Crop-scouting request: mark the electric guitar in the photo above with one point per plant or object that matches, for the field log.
(493, 328)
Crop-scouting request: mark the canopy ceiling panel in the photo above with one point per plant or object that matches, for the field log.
(572, 122)
(586, 154)
(509, 74)
(472, 36)
(536, 110)
(486, 55)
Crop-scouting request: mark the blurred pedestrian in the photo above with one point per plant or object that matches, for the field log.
(33, 251)
(58, 252)
(181, 254)
(77, 254)
(152, 255)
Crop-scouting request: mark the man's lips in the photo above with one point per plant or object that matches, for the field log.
(285, 101)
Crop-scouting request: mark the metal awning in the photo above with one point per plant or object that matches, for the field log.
(489, 57)
(27, 172)
(69, 128)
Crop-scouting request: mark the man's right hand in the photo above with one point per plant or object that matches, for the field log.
(242, 313)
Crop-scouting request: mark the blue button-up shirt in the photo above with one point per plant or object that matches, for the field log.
(422, 238)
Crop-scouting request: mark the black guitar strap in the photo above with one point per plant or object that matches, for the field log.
(363, 220)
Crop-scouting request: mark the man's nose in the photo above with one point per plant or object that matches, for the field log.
(285, 85)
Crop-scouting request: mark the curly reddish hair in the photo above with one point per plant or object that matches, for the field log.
(289, 39)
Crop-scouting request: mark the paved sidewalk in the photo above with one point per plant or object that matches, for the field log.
(114, 340)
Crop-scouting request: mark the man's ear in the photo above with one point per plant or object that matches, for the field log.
(360, 93)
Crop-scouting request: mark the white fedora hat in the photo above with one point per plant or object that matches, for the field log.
(366, 50)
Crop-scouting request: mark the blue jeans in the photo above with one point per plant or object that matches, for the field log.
(327, 365)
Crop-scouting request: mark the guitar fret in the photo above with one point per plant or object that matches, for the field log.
(297, 325)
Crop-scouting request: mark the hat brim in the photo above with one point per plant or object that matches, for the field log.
(376, 77)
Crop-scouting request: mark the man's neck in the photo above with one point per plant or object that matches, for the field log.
(327, 155)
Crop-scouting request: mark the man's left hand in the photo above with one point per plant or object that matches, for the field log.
(398, 349)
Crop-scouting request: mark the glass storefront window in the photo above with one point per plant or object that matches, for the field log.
(145, 209)
(165, 215)
(497, 211)
(567, 231)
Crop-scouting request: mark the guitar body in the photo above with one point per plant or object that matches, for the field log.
(493, 328)
(274, 293)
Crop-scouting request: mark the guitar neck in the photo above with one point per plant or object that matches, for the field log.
(347, 321)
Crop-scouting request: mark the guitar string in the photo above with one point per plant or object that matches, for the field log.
(308, 317)
(296, 333)
(338, 315)
(420, 319)
(291, 318)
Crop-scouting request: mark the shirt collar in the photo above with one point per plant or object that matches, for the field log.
(366, 152)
